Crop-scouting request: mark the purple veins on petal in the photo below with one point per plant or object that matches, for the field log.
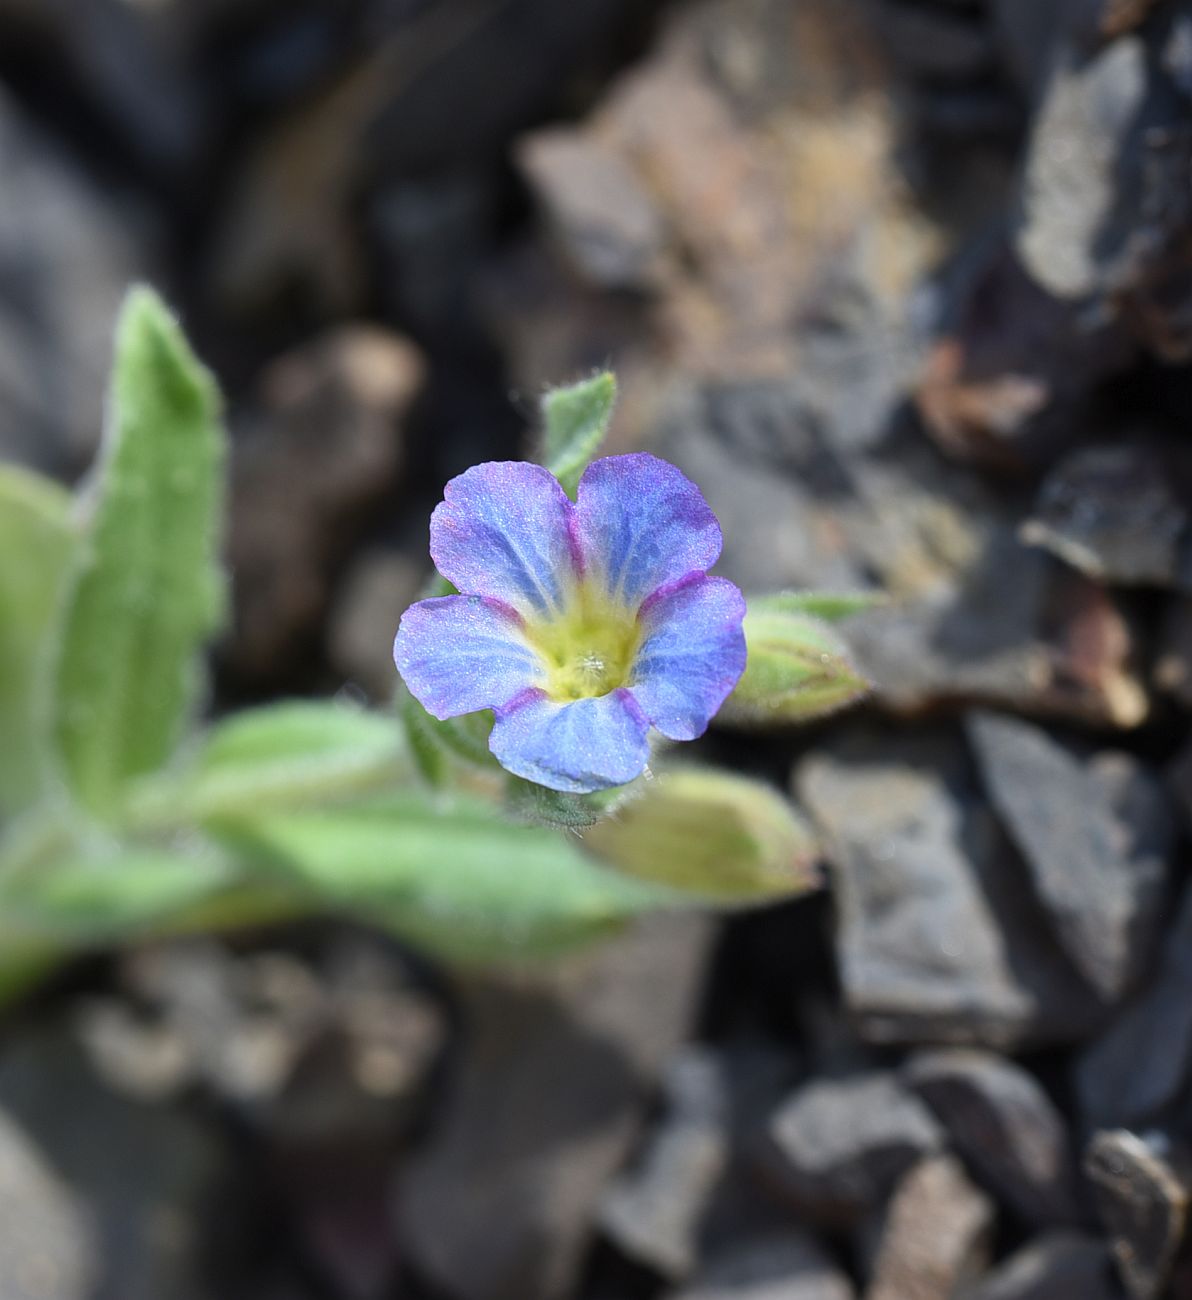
(692, 653)
(640, 523)
(577, 747)
(503, 529)
(459, 654)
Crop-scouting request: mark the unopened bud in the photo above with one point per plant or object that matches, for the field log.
(712, 833)
(798, 669)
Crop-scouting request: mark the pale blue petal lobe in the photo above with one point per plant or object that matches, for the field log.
(692, 655)
(577, 747)
(503, 529)
(458, 654)
(640, 523)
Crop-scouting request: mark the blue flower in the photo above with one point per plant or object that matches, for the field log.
(580, 624)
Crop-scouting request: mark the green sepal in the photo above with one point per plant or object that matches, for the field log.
(575, 423)
(536, 805)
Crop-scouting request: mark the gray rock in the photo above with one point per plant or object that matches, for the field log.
(1098, 864)
(1118, 514)
(126, 1194)
(1006, 1129)
(1173, 660)
(1141, 1189)
(936, 1235)
(788, 1265)
(49, 1243)
(940, 938)
(1058, 1266)
(323, 446)
(1103, 206)
(1072, 186)
(1141, 1063)
(839, 1145)
(68, 252)
(599, 212)
(653, 1212)
(542, 1108)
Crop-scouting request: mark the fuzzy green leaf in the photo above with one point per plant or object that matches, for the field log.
(275, 757)
(89, 901)
(37, 540)
(449, 874)
(147, 591)
(575, 422)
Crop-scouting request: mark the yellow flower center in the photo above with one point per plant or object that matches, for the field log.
(589, 649)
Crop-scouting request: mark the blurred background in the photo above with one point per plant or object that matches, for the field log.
(906, 287)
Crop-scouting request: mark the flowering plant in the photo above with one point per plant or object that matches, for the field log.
(579, 611)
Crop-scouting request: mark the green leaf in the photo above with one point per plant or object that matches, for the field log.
(828, 607)
(449, 874)
(147, 591)
(798, 669)
(94, 900)
(37, 540)
(575, 422)
(724, 837)
(284, 755)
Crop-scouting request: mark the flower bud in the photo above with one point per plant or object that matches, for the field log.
(721, 836)
(798, 669)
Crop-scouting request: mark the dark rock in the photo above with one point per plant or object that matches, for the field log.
(788, 1265)
(68, 252)
(1098, 868)
(1118, 514)
(653, 1213)
(946, 42)
(1141, 1190)
(1010, 382)
(936, 1235)
(1173, 662)
(1141, 1063)
(1005, 1127)
(130, 69)
(940, 937)
(377, 588)
(128, 1189)
(325, 445)
(840, 1145)
(542, 1108)
(1058, 1266)
(337, 1047)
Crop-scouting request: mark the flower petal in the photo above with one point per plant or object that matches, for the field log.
(458, 654)
(503, 530)
(585, 745)
(640, 523)
(692, 656)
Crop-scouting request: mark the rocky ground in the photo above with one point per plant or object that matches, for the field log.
(906, 285)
